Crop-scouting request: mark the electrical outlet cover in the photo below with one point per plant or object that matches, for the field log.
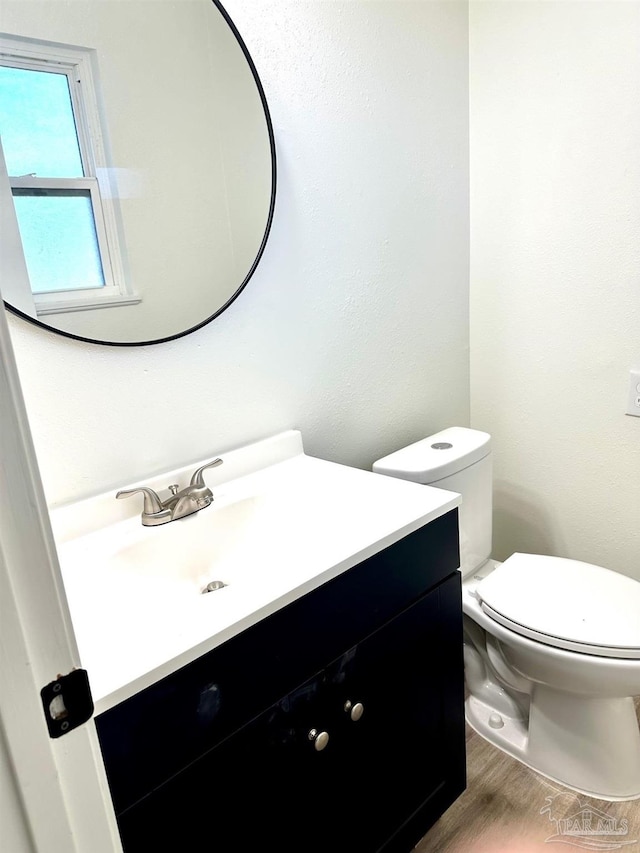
(633, 403)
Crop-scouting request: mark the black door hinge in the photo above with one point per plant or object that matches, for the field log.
(67, 702)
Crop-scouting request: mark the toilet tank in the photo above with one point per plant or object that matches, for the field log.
(457, 459)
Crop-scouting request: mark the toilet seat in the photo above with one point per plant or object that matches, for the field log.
(565, 603)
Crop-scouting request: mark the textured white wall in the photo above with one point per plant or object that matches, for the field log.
(555, 274)
(355, 326)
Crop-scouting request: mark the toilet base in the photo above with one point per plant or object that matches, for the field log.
(587, 744)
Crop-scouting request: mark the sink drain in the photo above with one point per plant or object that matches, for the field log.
(213, 586)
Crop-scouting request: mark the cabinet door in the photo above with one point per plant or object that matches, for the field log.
(266, 785)
(403, 759)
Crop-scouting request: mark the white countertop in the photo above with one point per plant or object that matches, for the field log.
(282, 524)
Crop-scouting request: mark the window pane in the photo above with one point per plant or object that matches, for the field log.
(59, 239)
(37, 124)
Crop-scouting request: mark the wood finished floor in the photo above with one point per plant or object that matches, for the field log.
(501, 811)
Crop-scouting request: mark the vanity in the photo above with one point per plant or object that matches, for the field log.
(314, 699)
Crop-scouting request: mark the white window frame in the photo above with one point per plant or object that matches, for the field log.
(79, 66)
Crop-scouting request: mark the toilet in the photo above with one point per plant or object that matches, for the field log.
(551, 645)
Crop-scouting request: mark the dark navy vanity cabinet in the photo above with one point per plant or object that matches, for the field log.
(336, 724)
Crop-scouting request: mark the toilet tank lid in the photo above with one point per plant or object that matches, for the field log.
(437, 456)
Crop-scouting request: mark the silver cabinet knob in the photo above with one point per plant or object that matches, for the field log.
(355, 711)
(320, 739)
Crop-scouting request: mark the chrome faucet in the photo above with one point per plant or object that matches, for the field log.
(194, 497)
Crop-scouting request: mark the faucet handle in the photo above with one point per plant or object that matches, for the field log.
(152, 503)
(197, 479)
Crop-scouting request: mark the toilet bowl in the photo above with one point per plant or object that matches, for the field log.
(551, 645)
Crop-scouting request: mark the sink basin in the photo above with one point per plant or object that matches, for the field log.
(281, 524)
(189, 554)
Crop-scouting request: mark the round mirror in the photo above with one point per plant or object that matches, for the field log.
(138, 154)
